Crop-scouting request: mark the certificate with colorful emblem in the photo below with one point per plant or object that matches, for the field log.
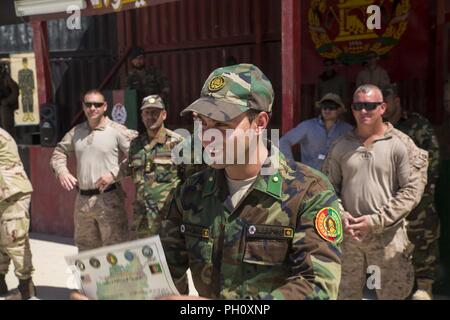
(135, 270)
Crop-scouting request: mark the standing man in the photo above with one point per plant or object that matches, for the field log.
(372, 73)
(100, 217)
(146, 81)
(315, 136)
(26, 85)
(331, 82)
(9, 94)
(246, 231)
(380, 176)
(423, 221)
(15, 196)
(152, 169)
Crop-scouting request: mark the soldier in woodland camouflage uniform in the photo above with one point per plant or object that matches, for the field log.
(264, 230)
(152, 170)
(423, 221)
(146, 81)
(15, 196)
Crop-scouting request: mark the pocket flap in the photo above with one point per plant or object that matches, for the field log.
(266, 252)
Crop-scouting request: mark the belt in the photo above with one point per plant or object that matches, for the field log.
(93, 192)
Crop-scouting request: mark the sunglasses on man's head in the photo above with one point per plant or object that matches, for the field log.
(329, 105)
(97, 105)
(368, 106)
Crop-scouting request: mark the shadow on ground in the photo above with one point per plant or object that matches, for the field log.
(52, 293)
(51, 238)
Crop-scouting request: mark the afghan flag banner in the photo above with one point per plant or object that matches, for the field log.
(122, 107)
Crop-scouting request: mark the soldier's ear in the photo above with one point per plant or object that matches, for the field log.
(261, 121)
(164, 114)
(383, 107)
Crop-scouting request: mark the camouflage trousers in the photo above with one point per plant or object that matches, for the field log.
(387, 257)
(100, 220)
(423, 232)
(146, 222)
(14, 240)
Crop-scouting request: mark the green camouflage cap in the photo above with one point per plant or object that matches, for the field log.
(152, 101)
(232, 90)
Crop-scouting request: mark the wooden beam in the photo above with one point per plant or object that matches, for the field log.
(40, 46)
(290, 61)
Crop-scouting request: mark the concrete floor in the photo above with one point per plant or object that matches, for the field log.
(52, 277)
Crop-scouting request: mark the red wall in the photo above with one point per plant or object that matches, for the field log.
(52, 206)
(187, 39)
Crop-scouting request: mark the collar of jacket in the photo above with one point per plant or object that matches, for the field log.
(388, 134)
(100, 127)
(161, 138)
(268, 184)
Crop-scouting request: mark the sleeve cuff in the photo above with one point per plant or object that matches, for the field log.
(375, 224)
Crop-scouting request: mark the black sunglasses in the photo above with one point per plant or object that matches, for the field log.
(329, 105)
(97, 105)
(368, 106)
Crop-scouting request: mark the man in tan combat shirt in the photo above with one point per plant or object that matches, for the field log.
(15, 196)
(100, 217)
(380, 176)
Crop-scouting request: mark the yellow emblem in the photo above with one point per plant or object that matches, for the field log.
(216, 83)
(288, 233)
(339, 29)
(328, 225)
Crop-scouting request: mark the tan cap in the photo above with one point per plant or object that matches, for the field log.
(152, 101)
(331, 97)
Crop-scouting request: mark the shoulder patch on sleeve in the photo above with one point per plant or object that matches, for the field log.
(328, 225)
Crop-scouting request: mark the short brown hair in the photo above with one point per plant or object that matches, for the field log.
(94, 91)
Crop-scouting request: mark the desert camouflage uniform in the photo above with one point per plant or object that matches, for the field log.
(423, 221)
(266, 248)
(100, 219)
(15, 196)
(387, 246)
(155, 177)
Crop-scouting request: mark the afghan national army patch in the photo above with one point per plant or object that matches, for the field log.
(216, 83)
(328, 225)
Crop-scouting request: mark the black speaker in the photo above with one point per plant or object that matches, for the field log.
(49, 125)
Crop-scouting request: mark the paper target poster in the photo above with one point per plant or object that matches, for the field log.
(23, 71)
